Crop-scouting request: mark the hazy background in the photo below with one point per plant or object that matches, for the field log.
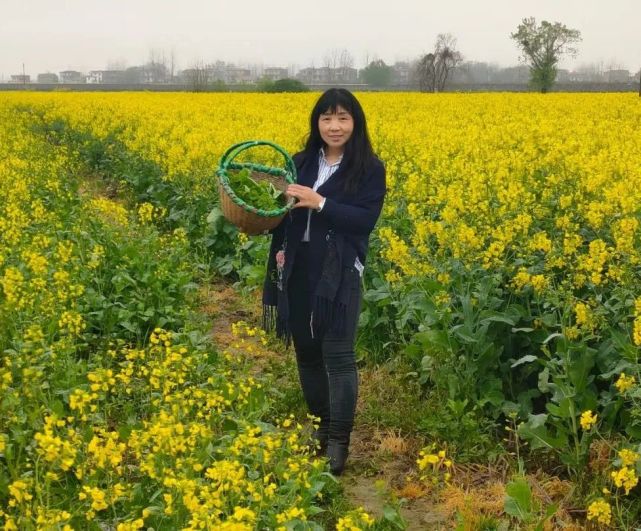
(54, 35)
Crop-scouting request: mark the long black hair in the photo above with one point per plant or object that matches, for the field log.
(358, 154)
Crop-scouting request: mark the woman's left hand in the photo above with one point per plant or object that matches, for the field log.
(307, 197)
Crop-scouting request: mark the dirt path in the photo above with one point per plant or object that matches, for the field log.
(381, 465)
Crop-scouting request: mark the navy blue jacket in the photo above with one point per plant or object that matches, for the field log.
(352, 216)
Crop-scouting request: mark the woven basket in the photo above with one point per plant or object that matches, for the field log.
(247, 218)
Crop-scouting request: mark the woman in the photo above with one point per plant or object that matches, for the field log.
(312, 290)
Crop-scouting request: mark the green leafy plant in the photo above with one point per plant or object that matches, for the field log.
(260, 194)
(521, 505)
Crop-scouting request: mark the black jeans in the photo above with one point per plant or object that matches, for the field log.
(326, 365)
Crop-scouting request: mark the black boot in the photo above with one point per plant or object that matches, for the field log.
(337, 452)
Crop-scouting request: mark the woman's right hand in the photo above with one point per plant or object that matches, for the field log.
(307, 197)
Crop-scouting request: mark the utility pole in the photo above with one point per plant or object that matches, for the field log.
(24, 79)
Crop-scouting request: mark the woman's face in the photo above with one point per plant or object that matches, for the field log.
(336, 128)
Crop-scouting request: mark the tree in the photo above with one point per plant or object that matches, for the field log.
(337, 62)
(426, 73)
(135, 75)
(377, 73)
(282, 85)
(330, 62)
(156, 68)
(435, 68)
(172, 65)
(196, 77)
(345, 63)
(542, 46)
(447, 59)
(592, 72)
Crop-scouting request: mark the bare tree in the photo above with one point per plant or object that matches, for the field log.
(156, 66)
(331, 61)
(345, 62)
(196, 77)
(434, 68)
(447, 58)
(367, 58)
(172, 64)
(591, 71)
(613, 64)
(346, 59)
(337, 62)
(426, 73)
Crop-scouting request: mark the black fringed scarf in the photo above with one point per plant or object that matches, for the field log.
(275, 300)
(331, 295)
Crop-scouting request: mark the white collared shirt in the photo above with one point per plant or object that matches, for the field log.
(325, 171)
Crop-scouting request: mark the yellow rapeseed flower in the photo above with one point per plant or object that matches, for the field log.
(624, 383)
(625, 477)
(600, 511)
(588, 419)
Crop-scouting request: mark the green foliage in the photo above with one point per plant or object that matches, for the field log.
(485, 523)
(377, 74)
(139, 180)
(523, 507)
(259, 194)
(464, 426)
(542, 46)
(130, 295)
(282, 85)
(542, 78)
(218, 86)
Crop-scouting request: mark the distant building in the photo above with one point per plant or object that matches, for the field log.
(47, 78)
(239, 75)
(219, 71)
(106, 76)
(475, 72)
(345, 74)
(325, 75)
(155, 73)
(617, 76)
(20, 78)
(187, 75)
(401, 73)
(584, 76)
(275, 73)
(72, 76)
(313, 76)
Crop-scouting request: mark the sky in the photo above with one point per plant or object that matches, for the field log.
(50, 36)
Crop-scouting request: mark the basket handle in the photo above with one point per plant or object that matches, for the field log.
(236, 149)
